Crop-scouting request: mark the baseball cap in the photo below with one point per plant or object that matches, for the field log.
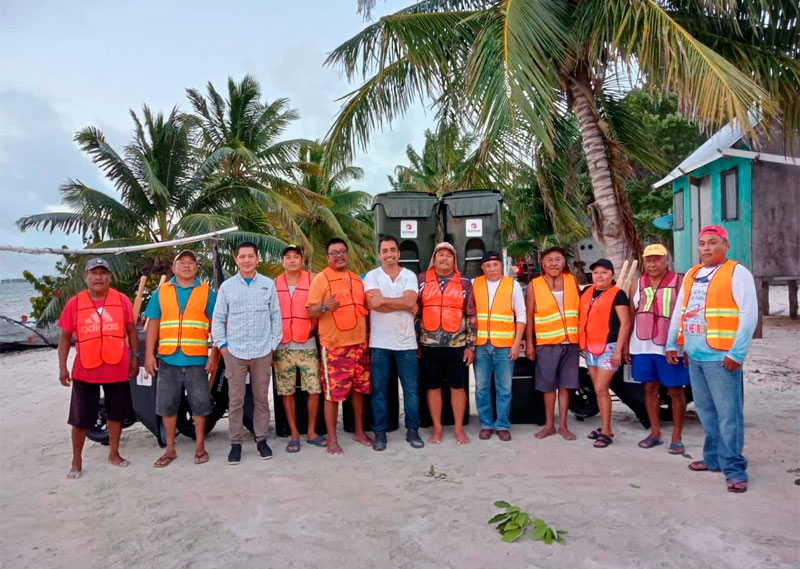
(717, 230)
(602, 263)
(97, 263)
(439, 247)
(185, 252)
(654, 250)
(292, 247)
(491, 256)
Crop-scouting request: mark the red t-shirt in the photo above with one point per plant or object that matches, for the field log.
(105, 373)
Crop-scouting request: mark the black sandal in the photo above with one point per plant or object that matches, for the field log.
(602, 441)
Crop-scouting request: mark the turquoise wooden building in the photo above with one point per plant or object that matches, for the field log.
(754, 194)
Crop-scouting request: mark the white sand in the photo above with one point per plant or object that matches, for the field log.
(375, 510)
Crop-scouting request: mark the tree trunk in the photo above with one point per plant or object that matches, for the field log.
(611, 232)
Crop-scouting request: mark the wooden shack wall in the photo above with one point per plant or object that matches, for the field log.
(776, 220)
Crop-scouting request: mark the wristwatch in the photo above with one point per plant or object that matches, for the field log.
(324, 308)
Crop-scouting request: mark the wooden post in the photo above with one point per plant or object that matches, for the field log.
(793, 299)
(763, 295)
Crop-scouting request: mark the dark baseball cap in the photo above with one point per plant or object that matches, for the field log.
(292, 247)
(185, 252)
(491, 256)
(605, 263)
(97, 263)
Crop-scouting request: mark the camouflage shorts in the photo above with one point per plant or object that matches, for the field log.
(288, 362)
(345, 369)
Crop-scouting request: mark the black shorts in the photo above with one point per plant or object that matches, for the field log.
(85, 402)
(173, 381)
(442, 366)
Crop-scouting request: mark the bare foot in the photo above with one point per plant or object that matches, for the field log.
(462, 438)
(333, 447)
(75, 472)
(565, 432)
(117, 460)
(363, 439)
(545, 432)
(435, 438)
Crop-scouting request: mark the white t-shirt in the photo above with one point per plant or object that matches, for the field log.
(391, 330)
(517, 298)
(638, 346)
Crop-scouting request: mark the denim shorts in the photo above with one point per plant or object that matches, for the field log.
(603, 361)
(173, 380)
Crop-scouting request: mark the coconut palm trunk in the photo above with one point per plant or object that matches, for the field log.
(610, 229)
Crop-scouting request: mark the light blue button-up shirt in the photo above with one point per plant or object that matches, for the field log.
(247, 317)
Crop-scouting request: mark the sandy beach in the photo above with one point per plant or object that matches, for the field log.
(623, 506)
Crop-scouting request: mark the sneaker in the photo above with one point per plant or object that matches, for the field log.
(413, 438)
(263, 450)
(380, 442)
(235, 456)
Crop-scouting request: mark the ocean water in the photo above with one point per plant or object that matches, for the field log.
(15, 299)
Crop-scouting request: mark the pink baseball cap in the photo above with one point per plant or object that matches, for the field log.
(717, 230)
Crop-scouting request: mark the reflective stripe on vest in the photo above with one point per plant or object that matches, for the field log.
(442, 310)
(100, 333)
(296, 323)
(187, 330)
(721, 310)
(655, 308)
(549, 325)
(496, 322)
(595, 319)
(349, 291)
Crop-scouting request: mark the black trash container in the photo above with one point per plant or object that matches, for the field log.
(411, 217)
(301, 412)
(472, 223)
(527, 404)
(392, 407)
(143, 395)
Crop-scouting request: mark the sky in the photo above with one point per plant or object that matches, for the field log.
(68, 65)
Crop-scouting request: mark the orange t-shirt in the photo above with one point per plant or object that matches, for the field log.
(329, 335)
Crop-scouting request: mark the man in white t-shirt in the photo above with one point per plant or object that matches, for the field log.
(391, 292)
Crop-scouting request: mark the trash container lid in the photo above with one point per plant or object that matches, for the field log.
(472, 202)
(403, 205)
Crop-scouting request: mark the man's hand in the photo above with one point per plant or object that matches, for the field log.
(730, 364)
(469, 356)
(133, 368)
(63, 377)
(375, 300)
(530, 351)
(414, 309)
(223, 351)
(150, 364)
(514, 352)
(212, 363)
(672, 357)
(331, 303)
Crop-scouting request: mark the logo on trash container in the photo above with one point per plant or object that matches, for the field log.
(474, 228)
(408, 229)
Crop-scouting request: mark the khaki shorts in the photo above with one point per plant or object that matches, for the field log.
(288, 362)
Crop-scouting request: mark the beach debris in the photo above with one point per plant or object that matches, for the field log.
(512, 523)
(437, 475)
(634, 485)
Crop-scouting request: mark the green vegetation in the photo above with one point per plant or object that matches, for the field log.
(512, 523)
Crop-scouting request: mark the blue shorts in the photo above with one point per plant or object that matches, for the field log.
(603, 361)
(654, 367)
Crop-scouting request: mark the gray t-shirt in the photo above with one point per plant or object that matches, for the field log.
(310, 344)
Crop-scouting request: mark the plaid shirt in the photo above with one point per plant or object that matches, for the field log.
(247, 318)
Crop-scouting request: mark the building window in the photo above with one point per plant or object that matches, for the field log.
(677, 208)
(730, 195)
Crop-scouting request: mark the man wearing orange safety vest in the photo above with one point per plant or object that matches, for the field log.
(551, 337)
(447, 320)
(101, 319)
(715, 324)
(500, 307)
(180, 322)
(297, 352)
(336, 297)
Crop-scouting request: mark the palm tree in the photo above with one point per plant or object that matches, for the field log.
(511, 70)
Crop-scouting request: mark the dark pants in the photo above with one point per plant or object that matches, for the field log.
(408, 370)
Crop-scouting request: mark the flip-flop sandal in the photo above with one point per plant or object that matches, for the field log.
(650, 442)
(677, 448)
(164, 461)
(319, 441)
(201, 458)
(293, 446)
(602, 441)
(737, 485)
(594, 434)
(699, 466)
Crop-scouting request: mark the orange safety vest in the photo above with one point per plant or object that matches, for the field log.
(442, 310)
(349, 291)
(100, 333)
(187, 330)
(550, 326)
(296, 323)
(722, 312)
(496, 322)
(594, 333)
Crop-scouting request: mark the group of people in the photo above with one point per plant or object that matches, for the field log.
(341, 335)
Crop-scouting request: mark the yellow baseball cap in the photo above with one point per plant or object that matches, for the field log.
(655, 250)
